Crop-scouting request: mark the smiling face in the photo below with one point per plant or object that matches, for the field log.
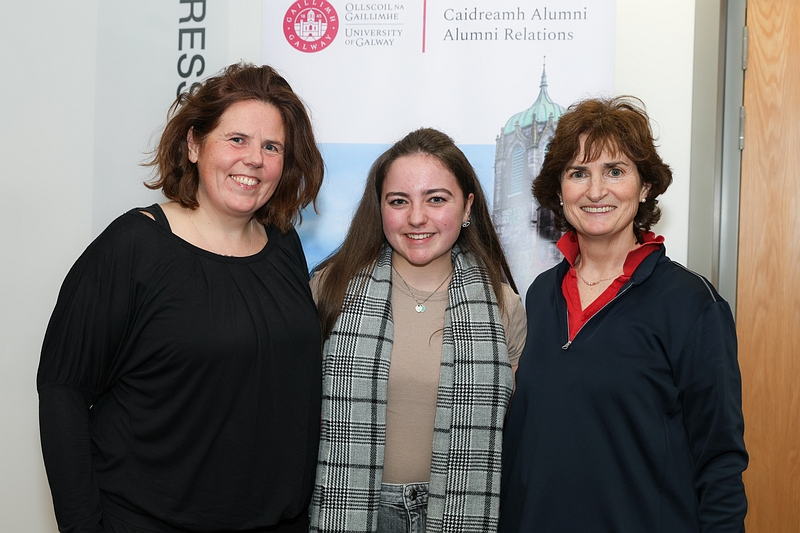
(601, 197)
(241, 160)
(422, 208)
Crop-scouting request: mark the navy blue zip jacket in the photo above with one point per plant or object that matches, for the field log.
(634, 426)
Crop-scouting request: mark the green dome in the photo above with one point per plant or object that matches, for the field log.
(541, 110)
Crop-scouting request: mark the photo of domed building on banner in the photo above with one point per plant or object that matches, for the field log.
(526, 230)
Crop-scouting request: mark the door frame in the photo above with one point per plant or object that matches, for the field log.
(716, 153)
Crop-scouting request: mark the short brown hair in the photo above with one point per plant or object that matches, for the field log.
(618, 125)
(201, 109)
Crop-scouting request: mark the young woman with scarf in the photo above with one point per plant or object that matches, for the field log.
(423, 329)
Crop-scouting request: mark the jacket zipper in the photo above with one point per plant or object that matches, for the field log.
(569, 342)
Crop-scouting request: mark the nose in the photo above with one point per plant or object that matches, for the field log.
(254, 156)
(416, 215)
(597, 188)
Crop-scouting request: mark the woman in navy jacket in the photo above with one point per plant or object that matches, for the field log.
(627, 412)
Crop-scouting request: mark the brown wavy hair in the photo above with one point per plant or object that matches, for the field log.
(365, 238)
(201, 109)
(618, 125)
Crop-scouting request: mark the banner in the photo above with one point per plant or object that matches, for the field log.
(147, 52)
(493, 74)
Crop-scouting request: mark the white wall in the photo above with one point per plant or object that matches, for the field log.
(47, 52)
(654, 62)
(48, 59)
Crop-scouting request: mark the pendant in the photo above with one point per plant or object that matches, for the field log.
(419, 308)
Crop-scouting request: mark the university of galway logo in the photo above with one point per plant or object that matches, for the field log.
(310, 25)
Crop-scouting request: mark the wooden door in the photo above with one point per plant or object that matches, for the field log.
(768, 287)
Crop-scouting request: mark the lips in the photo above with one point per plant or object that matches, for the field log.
(245, 180)
(418, 236)
(606, 209)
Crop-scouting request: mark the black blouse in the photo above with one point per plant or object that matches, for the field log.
(180, 388)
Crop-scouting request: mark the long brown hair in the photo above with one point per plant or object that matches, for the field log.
(201, 109)
(365, 238)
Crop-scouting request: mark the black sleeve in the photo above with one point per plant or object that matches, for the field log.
(78, 364)
(710, 382)
(66, 447)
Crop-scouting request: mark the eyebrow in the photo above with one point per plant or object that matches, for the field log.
(610, 164)
(426, 193)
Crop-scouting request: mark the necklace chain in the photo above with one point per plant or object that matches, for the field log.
(420, 307)
(249, 251)
(593, 283)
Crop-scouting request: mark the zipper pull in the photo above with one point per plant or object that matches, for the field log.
(566, 346)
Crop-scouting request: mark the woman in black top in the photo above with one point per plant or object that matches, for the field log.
(179, 382)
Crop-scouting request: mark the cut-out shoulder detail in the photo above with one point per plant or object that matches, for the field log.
(701, 278)
(156, 213)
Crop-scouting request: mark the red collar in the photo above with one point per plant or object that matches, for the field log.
(568, 245)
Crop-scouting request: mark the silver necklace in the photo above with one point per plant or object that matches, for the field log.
(249, 251)
(593, 283)
(420, 307)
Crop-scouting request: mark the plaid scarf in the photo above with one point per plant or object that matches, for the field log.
(475, 385)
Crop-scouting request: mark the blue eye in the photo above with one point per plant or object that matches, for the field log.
(273, 148)
(615, 173)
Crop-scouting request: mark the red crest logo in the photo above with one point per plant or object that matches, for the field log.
(310, 25)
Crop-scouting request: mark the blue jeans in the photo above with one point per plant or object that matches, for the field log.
(403, 508)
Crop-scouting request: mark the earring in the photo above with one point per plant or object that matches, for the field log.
(560, 202)
(465, 224)
(643, 200)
